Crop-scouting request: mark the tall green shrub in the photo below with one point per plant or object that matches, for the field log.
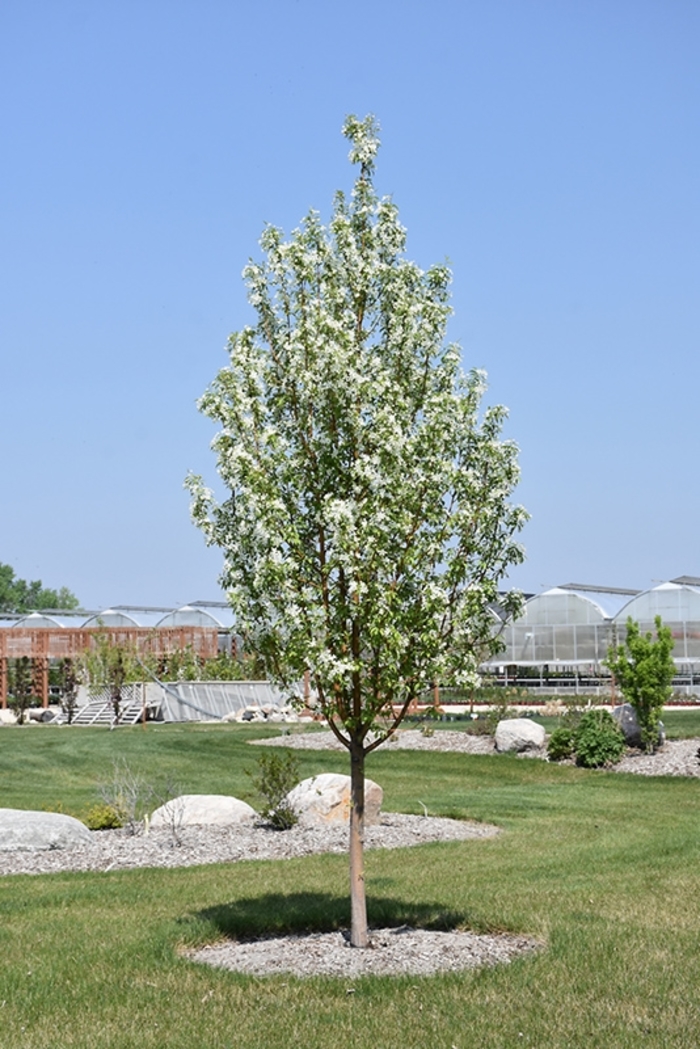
(643, 669)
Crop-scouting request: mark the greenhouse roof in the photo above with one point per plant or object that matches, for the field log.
(194, 614)
(674, 602)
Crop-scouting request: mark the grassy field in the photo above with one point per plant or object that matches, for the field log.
(604, 868)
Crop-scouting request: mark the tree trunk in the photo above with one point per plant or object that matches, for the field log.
(358, 901)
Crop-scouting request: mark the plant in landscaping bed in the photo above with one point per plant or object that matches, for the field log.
(170, 800)
(127, 793)
(598, 740)
(277, 774)
(104, 817)
(561, 744)
(643, 668)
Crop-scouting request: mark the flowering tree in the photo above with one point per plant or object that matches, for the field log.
(368, 522)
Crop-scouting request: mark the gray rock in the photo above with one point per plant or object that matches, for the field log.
(39, 714)
(22, 830)
(518, 735)
(200, 810)
(326, 799)
(626, 717)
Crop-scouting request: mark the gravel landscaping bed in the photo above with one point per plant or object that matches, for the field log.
(393, 952)
(404, 739)
(677, 757)
(112, 850)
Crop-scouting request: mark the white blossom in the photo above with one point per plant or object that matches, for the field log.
(368, 525)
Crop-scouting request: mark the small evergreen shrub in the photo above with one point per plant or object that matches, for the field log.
(598, 740)
(104, 817)
(561, 744)
(277, 775)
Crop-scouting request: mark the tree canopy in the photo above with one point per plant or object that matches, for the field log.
(17, 595)
(368, 525)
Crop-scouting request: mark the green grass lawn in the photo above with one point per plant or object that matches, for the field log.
(604, 868)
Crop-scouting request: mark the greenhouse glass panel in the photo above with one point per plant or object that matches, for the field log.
(587, 643)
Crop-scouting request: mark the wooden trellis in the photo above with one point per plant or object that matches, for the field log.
(42, 644)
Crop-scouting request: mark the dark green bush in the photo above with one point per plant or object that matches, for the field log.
(598, 740)
(561, 744)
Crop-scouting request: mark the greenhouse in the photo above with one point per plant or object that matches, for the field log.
(566, 631)
(678, 604)
(558, 626)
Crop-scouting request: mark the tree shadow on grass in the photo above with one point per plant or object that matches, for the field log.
(273, 914)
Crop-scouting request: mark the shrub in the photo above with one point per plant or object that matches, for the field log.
(643, 668)
(598, 740)
(277, 775)
(479, 726)
(104, 817)
(126, 793)
(561, 744)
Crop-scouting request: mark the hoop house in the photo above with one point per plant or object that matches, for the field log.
(679, 607)
(557, 627)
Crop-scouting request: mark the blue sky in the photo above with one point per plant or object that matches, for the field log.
(549, 150)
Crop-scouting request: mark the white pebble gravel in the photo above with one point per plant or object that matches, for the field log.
(677, 757)
(393, 952)
(112, 850)
(404, 739)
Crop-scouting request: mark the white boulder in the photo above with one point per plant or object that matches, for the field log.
(326, 799)
(519, 734)
(198, 810)
(22, 830)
